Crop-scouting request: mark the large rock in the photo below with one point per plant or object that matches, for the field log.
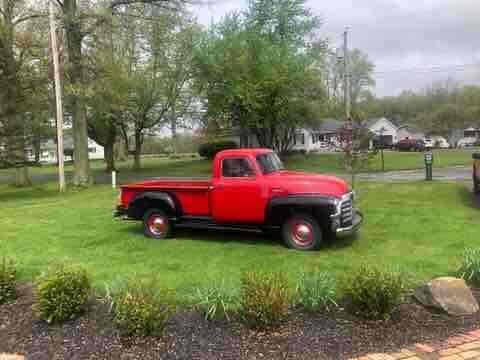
(449, 294)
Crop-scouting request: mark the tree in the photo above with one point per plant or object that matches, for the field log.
(258, 71)
(18, 69)
(79, 22)
(361, 71)
(158, 50)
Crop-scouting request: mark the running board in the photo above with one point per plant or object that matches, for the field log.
(206, 223)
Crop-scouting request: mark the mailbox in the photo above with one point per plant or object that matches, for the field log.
(428, 165)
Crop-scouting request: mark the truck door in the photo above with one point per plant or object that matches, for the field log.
(236, 195)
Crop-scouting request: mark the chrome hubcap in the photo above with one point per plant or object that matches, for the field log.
(157, 225)
(302, 233)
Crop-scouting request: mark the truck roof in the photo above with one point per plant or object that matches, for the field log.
(246, 151)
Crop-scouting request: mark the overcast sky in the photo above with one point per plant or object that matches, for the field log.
(412, 42)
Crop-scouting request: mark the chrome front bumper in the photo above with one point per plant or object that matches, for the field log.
(356, 223)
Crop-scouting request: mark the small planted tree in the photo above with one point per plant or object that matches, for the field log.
(355, 145)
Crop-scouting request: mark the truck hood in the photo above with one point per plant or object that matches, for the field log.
(295, 182)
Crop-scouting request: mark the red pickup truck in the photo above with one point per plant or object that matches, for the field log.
(249, 190)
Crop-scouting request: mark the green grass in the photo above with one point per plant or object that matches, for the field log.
(327, 162)
(420, 227)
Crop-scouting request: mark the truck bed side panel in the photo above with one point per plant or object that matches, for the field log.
(193, 194)
(194, 202)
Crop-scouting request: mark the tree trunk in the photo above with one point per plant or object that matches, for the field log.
(109, 156)
(22, 176)
(173, 125)
(137, 153)
(37, 148)
(81, 176)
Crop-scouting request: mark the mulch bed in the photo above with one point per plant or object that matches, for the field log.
(332, 335)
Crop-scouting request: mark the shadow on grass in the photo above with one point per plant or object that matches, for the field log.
(468, 198)
(242, 237)
(12, 193)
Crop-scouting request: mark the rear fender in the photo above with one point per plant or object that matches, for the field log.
(147, 200)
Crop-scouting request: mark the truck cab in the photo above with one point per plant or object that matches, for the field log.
(250, 189)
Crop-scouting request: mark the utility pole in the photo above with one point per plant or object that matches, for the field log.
(58, 98)
(346, 89)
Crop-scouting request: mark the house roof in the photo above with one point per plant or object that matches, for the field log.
(371, 122)
(412, 129)
(330, 126)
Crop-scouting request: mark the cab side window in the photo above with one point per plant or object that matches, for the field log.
(236, 167)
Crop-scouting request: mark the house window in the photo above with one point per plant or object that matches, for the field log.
(300, 139)
(236, 167)
(92, 150)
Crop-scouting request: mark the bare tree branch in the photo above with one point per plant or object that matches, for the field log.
(117, 3)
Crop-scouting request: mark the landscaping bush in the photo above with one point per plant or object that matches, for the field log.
(140, 310)
(62, 294)
(209, 150)
(373, 293)
(216, 302)
(469, 268)
(265, 298)
(8, 281)
(316, 291)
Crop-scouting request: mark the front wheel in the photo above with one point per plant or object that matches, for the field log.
(302, 232)
(156, 224)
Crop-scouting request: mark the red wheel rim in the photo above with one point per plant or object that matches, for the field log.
(157, 224)
(302, 233)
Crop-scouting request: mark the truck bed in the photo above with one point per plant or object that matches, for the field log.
(192, 193)
(172, 183)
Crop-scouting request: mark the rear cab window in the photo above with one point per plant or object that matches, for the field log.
(237, 167)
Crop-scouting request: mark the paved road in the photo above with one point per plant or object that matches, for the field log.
(459, 173)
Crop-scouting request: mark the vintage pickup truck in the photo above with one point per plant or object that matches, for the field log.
(476, 173)
(249, 190)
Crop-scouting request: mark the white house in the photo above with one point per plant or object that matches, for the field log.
(325, 137)
(384, 130)
(48, 151)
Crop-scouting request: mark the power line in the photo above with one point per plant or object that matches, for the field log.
(429, 70)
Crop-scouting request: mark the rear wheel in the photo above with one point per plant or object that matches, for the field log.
(156, 224)
(302, 232)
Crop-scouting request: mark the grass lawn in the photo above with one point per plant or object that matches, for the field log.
(327, 162)
(419, 227)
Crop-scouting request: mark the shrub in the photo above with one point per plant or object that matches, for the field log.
(469, 268)
(61, 294)
(265, 298)
(209, 150)
(373, 293)
(140, 310)
(8, 281)
(216, 302)
(316, 291)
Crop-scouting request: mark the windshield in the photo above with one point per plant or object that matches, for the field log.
(269, 162)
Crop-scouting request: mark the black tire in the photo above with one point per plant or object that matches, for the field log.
(156, 224)
(291, 233)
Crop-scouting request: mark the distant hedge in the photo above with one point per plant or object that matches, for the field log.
(209, 150)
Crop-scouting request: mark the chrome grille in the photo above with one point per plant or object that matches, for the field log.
(346, 212)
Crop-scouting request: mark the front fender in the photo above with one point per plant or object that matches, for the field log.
(274, 212)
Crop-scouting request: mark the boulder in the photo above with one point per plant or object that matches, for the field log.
(449, 294)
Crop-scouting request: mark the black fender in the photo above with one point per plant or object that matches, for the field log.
(281, 206)
(163, 200)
